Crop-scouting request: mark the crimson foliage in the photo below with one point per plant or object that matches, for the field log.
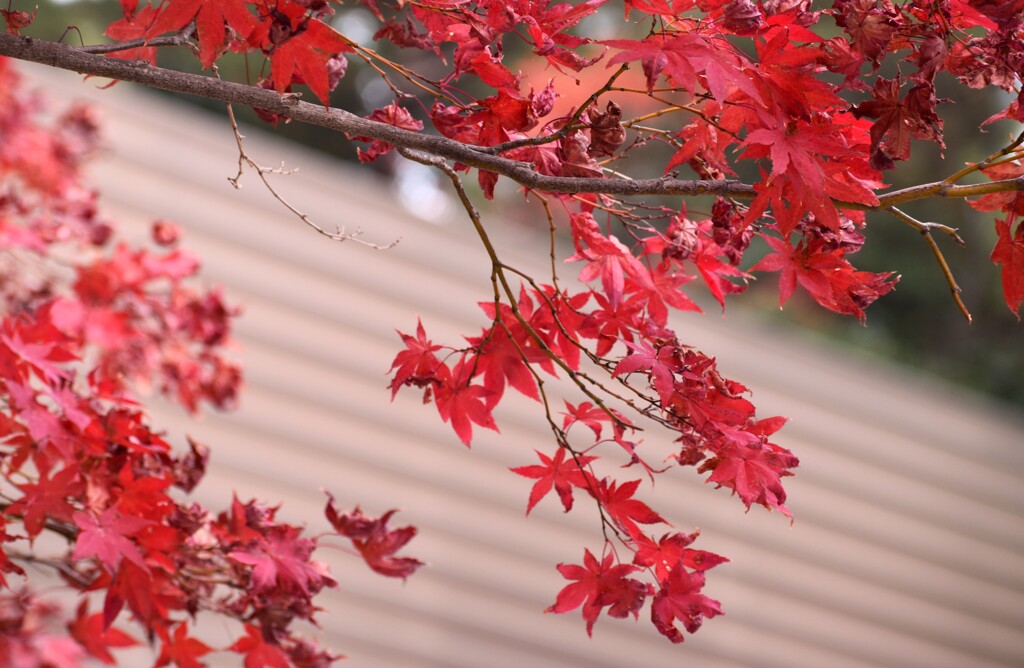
(85, 318)
(764, 84)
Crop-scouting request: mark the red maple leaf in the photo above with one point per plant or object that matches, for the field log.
(679, 599)
(298, 47)
(37, 347)
(703, 145)
(754, 471)
(416, 365)
(375, 541)
(826, 275)
(106, 538)
(394, 115)
(795, 266)
(561, 325)
(795, 150)
(281, 559)
(490, 70)
(148, 593)
(95, 637)
(682, 56)
(870, 27)
(499, 360)
(618, 502)
(588, 414)
(46, 428)
(599, 585)
(813, 161)
(16, 20)
(6, 565)
(258, 652)
(899, 121)
(673, 549)
(212, 21)
(144, 496)
(180, 649)
(1009, 252)
(788, 72)
(665, 291)
(1011, 202)
(461, 402)
(47, 498)
(559, 472)
(661, 363)
(714, 271)
(134, 26)
(608, 259)
(656, 7)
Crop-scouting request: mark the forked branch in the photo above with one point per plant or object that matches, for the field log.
(80, 60)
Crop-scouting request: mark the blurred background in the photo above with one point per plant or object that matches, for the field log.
(908, 544)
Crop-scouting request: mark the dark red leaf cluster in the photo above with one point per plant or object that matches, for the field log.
(99, 320)
(375, 541)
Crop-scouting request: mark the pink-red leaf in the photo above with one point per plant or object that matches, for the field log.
(106, 538)
(600, 585)
(679, 600)
(560, 472)
(376, 542)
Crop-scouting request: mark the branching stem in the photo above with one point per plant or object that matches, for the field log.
(480, 157)
(926, 231)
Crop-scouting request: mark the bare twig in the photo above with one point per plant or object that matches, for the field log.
(926, 231)
(990, 160)
(59, 565)
(340, 233)
(943, 189)
(114, 47)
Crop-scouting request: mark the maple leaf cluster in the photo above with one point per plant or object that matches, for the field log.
(86, 322)
(821, 160)
(789, 90)
(677, 386)
(300, 47)
(770, 100)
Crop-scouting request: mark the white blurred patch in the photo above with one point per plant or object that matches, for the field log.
(421, 193)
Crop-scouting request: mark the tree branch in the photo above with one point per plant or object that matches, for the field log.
(79, 60)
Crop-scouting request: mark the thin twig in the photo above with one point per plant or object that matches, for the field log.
(990, 160)
(64, 568)
(170, 40)
(926, 231)
(340, 233)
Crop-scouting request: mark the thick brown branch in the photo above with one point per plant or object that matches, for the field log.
(79, 60)
(76, 60)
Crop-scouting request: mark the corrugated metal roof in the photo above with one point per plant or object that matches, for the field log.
(908, 544)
